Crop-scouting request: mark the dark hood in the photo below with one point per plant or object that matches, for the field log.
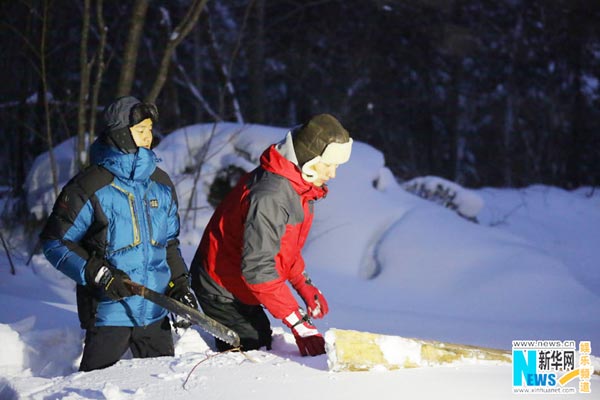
(117, 117)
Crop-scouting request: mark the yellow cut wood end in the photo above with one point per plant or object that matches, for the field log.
(349, 350)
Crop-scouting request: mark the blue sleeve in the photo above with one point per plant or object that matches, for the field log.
(173, 222)
(64, 252)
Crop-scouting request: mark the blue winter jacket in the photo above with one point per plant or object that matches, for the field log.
(122, 211)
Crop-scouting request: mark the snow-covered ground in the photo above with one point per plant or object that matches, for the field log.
(388, 262)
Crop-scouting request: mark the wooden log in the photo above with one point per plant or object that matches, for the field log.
(349, 350)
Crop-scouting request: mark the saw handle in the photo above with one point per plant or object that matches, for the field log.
(135, 287)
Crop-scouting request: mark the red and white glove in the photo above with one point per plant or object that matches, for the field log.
(308, 338)
(315, 301)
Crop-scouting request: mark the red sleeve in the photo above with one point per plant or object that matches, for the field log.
(276, 296)
(297, 277)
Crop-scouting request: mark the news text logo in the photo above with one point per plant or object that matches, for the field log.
(551, 366)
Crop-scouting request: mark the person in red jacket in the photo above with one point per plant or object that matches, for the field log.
(252, 245)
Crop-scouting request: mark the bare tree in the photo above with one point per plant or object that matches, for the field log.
(256, 62)
(179, 33)
(7, 250)
(44, 80)
(508, 129)
(100, 65)
(197, 67)
(87, 123)
(84, 86)
(577, 137)
(189, 84)
(223, 71)
(138, 18)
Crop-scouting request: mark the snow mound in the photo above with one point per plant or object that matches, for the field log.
(12, 357)
(446, 193)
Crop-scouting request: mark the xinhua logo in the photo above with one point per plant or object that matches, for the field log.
(551, 366)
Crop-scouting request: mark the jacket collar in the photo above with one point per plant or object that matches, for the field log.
(136, 166)
(273, 161)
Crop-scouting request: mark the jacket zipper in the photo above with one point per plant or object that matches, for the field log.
(134, 221)
(140, 204)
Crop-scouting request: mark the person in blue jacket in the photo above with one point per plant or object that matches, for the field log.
(118, 220)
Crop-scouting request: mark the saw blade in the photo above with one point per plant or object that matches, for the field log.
(196, 317)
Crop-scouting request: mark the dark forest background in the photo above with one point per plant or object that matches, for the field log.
(484, 93)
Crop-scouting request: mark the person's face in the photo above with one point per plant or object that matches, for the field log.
(142, 133)
(324, 172)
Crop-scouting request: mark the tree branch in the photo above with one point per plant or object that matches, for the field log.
(176, 37)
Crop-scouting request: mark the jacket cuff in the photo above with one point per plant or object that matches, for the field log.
(92, 266)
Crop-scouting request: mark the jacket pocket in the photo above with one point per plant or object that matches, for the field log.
(158, 220)
(124, 228)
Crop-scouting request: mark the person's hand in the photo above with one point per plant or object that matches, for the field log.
(308, 338)
(111, 281)
(179, 290)
(315, 301)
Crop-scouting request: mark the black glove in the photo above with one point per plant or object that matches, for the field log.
(108, 279)
(179, 290)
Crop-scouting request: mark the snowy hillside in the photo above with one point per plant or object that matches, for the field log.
(387, 261)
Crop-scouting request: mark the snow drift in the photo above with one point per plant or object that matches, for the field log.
(387, 260)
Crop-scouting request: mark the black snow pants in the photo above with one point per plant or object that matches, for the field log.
(248, 321)
(105, 345)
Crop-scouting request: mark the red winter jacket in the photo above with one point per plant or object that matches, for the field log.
(252, 244)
